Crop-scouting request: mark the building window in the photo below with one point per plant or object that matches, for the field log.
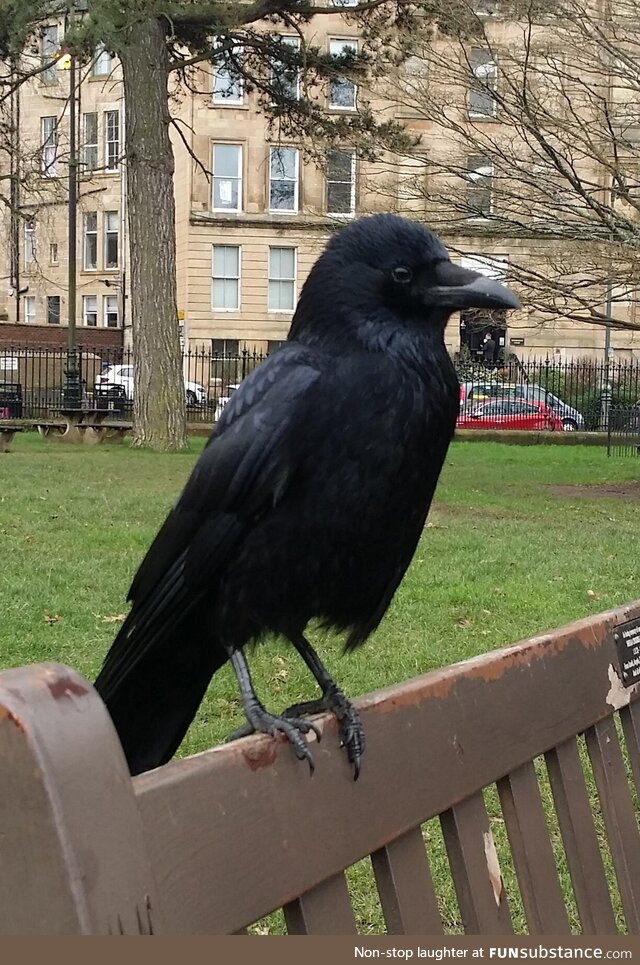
(90, 141)
(341, 182)
(53, 309)
(102, 64)
(111, 315)
(48, 54)
(345, 3)
(49, 140)
(30, 309)
(111, 228)
(342, 91)
(111, 140)
(283, 179)
(29, 242)
(227, 177)
(285, 76)
(90, 310)
(225, 347)
(282, 279)
(273, 345)
(482, 100)
(225, 288)
(227, 77)
(479, 186)
(90, 241)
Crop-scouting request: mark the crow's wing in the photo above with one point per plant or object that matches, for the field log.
(244, 469)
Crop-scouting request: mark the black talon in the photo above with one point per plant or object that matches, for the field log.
(260, 720)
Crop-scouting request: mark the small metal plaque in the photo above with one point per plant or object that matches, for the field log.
(627, 640)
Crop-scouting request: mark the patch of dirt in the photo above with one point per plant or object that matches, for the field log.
(626, 490)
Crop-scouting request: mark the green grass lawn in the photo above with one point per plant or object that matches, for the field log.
(520, 539)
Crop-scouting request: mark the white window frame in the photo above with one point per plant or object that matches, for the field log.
(106, 301)
(238, 177)
(49, 48)
(491, 266)
(486, 74)
(219, 99)
(86, 311)
(48, 303)
(295, 181)
(30, 251)
(343, 43)
(474, 176)
(237, 279)
(54, 254)
(292, 42)
(49, 145)
(30, 303)
(352, 211)
(107, 233)
(90, 145)
(111, 164)
(102, 65)
(88, 233)
(292, 281)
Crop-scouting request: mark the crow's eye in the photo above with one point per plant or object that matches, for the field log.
(402, 275)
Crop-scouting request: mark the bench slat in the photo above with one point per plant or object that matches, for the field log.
(619, 815)
(325, 910)
(474, 865)
(532, 852)
(630, 717)
(405, 886)
(575, 819)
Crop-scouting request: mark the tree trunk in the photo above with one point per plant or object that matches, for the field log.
(159, 397)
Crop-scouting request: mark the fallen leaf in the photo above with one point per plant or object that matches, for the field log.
(116, 618)
(592, 595)
(464, 622)
(487, 613)
(28, 539)
(51, 618)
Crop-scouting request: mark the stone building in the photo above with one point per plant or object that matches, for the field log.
(252, 213)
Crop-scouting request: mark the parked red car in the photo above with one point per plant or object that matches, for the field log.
(510, 414)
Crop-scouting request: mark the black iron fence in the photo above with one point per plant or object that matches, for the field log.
(589, 395)
(32, 381)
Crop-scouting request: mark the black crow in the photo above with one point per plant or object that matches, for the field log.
(309, 497)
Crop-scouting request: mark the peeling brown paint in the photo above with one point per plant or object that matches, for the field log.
(489, 667)
(260, 755)
(6, 714)
(64, 686)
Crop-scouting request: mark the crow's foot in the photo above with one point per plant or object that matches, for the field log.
(262, 722)
(350, 725)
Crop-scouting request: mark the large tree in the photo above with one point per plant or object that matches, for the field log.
(155, 39)
(529, 115)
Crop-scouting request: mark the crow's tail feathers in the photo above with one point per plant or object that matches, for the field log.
(153, 680)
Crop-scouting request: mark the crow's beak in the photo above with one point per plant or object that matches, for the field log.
(458, 288)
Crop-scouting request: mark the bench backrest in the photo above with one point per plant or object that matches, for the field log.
(528, 758)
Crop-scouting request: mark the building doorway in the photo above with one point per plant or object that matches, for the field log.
(475, 324)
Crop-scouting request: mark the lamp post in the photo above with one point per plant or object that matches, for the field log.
(72, 393)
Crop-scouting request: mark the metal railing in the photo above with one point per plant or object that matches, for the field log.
(589, 395)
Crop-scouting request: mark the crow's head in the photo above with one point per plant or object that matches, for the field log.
(390, 263)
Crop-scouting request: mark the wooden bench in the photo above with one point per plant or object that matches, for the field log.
(96, 432)
(212, 843)
(7, 432)
(83, 431)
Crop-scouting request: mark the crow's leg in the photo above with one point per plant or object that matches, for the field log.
(351, 729)
(259, 719)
